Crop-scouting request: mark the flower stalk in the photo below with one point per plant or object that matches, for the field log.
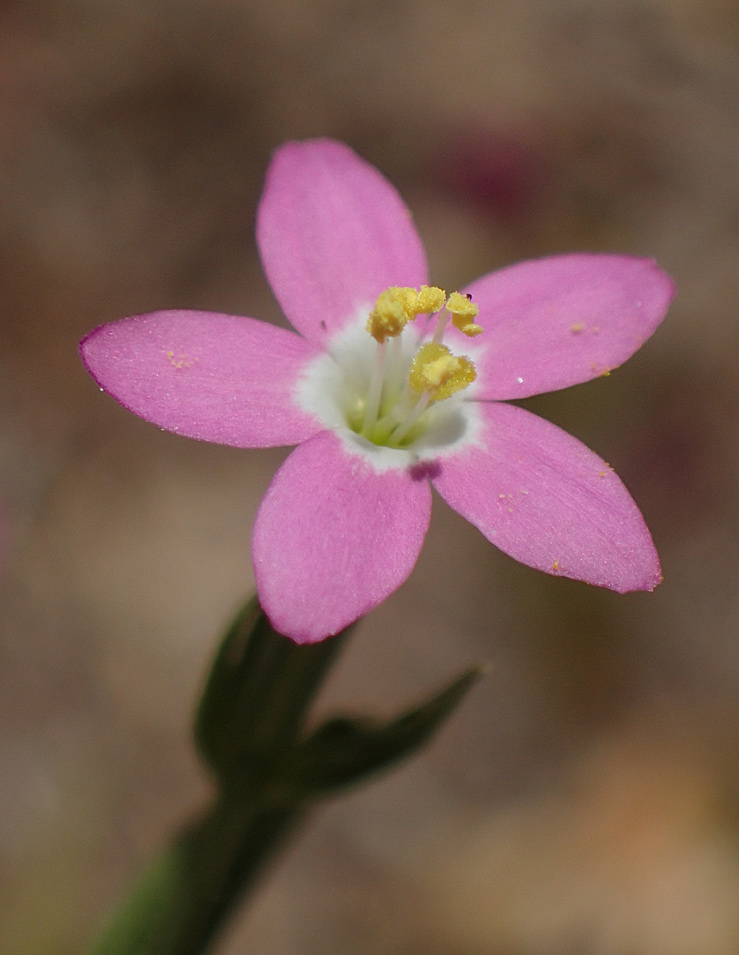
(183, 900)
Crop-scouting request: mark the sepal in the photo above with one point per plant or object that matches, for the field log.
(256, 696)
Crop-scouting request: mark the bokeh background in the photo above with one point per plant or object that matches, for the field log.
(585, 800)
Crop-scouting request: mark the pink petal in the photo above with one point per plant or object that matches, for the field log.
(544, 498)
(215, 377)
(554, 322)
(333, 538)
(333, 233)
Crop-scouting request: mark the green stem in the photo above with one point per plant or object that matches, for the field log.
(268, 769)
(249, 720)
(183, 900)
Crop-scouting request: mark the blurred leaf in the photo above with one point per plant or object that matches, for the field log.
(344, 751)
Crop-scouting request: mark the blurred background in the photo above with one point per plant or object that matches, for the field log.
(585, 800)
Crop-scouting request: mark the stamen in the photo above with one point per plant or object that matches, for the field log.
(441, 324)
(390, 411)
(430, 300)
(463, 310)
(375, 390)
(440, 373)
(394, 371)
(397, 306)
(392, 312)
(405, 426)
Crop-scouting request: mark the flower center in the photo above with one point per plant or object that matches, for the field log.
(402, 387)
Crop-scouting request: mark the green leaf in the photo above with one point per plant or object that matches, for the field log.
(344, 751)
(256, 697)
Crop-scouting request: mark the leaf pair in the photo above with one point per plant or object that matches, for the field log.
(250, 723)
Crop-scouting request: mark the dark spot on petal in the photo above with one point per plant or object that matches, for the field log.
(425, 471)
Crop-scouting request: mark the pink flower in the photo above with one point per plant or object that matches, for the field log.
(377, 423)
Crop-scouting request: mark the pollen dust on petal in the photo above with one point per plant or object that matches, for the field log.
(507, 499)
(180, 360)
(600, 370)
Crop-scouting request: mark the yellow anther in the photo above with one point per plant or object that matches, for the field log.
(466, 327)
(397, 306)
(459, 304)
(463, 311)
(436, 371)
(392, 312)
(430, 299)
(408, 297)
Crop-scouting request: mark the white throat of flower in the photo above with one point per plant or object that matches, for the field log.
(390, 399)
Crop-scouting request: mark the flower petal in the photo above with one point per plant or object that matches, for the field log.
(333, 233)
(215, 377)
(554, 322)
(544, 498)
(334, 537)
